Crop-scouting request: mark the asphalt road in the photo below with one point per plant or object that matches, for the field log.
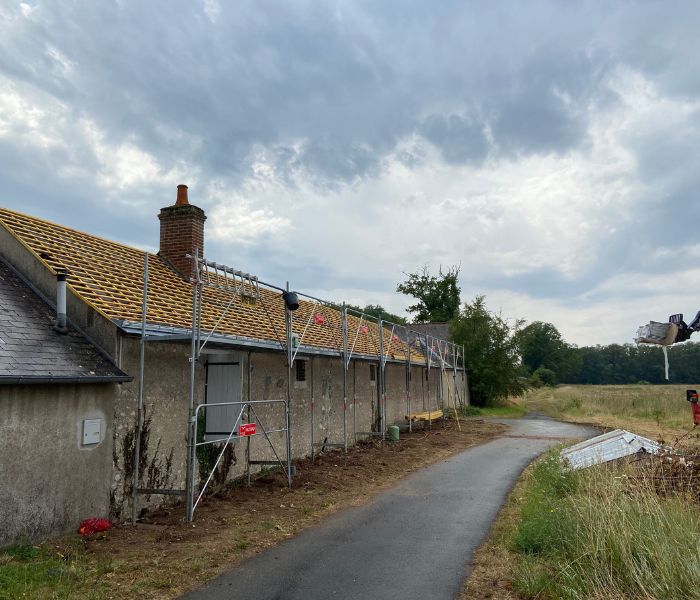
(414, 541)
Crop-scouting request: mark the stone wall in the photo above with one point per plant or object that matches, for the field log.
(49, 481)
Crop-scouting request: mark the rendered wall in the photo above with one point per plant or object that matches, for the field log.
(166, 389)
(49, 480)
(164, 432)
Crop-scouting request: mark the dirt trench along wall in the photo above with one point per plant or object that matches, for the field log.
(51, 475)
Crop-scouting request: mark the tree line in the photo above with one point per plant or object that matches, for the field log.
(504, 357)
(543, 350)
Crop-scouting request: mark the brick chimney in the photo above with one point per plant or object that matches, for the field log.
(181, 232)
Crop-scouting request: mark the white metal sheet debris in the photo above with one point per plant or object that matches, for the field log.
(657, 333)
(609, 446)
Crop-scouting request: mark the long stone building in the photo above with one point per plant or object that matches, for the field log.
(337, 394)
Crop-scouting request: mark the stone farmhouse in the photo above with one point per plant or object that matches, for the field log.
(91, 385)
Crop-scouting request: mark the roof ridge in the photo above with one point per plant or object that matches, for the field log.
(74, 230)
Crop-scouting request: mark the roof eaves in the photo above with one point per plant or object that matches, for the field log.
(43, 379)
(165, 333)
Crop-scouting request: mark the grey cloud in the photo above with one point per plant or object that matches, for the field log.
(72, 202)
(328, 90)
(324, 73)
(328, 162)
(541, 283)
(545, 104)
(459, 138)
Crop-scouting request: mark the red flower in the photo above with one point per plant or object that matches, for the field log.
(319, 319)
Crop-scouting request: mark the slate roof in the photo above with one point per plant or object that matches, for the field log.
(32, 352)
(109, 277)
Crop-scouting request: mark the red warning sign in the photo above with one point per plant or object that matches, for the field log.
(247, 429)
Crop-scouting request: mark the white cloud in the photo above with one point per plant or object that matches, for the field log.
(31, 119)
(212, 9)
(238, 217)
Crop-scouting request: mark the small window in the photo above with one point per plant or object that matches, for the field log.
(373, 373)
(300, 370)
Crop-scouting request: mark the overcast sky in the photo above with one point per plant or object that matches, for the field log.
(549, 148)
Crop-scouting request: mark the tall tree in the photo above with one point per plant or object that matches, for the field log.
(437, 295)
(541, 345)
(491, 353)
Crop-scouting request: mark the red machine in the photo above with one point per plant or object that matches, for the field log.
(692, 397)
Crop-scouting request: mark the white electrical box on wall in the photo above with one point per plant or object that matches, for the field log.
(92, 431)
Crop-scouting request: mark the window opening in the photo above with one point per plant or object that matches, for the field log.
(300, 370)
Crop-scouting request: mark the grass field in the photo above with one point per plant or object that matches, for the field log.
(656, 411)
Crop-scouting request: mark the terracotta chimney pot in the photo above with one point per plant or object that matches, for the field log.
(181, 195)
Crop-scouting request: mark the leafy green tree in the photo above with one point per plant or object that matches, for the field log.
(437, 295)
(570, 363)
(491, 353)
(541, 345)
(627, 363)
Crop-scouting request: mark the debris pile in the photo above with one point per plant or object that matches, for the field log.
(668, 470)
(607, 447)
(674, 473)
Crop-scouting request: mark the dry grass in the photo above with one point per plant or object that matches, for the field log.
(606, 532)
(660, 412)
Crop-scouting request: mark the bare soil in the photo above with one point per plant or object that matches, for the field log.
(166, 557)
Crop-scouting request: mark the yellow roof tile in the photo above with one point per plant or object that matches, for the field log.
(109, 277)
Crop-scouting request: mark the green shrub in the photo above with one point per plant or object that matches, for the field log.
(543, 376)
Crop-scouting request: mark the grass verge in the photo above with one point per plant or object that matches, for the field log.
(591, 534)
(28, 571)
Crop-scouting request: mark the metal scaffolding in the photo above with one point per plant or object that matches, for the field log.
(349, 335)
(236, 284)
